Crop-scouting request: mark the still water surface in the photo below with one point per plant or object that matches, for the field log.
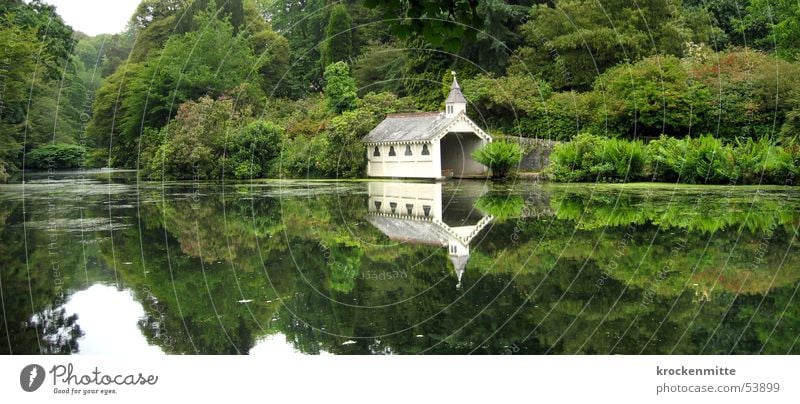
(94, 263)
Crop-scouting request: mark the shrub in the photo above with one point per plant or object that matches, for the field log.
(252, 149)
(57, 155)
(620, 159)
(570, 161)
(501, 157)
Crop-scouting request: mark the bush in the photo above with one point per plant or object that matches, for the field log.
(571, 161)
(252, 149)
(57, 155)
(501, 157)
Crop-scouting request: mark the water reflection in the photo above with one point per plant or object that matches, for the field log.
(109, 319)
(413, 213)
(368, 268)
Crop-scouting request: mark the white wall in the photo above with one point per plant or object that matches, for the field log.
(416, 165)
(402, 193)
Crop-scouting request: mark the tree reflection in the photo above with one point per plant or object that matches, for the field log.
(560, 270)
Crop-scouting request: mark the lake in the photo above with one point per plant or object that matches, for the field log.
(94, 262)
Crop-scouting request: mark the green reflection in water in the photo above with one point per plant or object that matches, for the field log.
(546, 269)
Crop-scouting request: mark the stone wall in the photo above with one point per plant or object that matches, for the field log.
(536, 152)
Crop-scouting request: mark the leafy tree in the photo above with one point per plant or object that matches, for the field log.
(379, 68)
(782, 21)
(16, 75)
(340, 88)
(338, 45)
(303, 24)
(571, 42)
(211, 62)
(443, 24)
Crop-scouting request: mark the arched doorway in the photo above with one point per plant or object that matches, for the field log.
(456, 155)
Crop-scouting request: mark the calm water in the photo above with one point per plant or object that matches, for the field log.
(94, 263)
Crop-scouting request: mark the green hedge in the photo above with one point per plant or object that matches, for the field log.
(703, 160)
(56, 155)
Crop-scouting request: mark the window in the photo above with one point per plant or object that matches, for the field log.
(409, 208)
(391, 151)
(393, 206)
(425, 151)
(426, 209)
(449, 109)
(377, 152)
(377, 205)
(408, 150)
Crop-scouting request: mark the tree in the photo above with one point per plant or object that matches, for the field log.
(651, 97)
(442, 23)
(211, 62)
(338, 45)
(16, 75)
(340, 88)
(302, 23)
(36, 70)
(573, 41)
(782, 20)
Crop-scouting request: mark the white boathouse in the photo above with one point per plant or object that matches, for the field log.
(432, 145)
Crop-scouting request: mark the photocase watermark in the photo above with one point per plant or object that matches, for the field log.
(66, 380)
(527, 213)
(52, 243)
(156, 319)
(31, 377)
(383, 275)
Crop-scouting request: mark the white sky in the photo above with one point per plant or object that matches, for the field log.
(94, 17)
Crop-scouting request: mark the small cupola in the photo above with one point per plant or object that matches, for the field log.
(455, 102)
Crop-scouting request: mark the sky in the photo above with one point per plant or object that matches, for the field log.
(94, 17)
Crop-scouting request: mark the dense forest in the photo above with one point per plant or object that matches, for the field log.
(263, 88)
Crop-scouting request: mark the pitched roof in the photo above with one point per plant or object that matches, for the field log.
(455, 95)
(408, 127)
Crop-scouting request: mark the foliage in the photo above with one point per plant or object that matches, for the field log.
(442, 23)
(571, 42)
(254, 149)
(499, 156)
(338, 45)
(753, 92)
(192, 146)
(703, 160)
(340, 88)
(651, 97)
(379, 68)
(333, 148)
(211, 62)
(780, 20)
(56, 156)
